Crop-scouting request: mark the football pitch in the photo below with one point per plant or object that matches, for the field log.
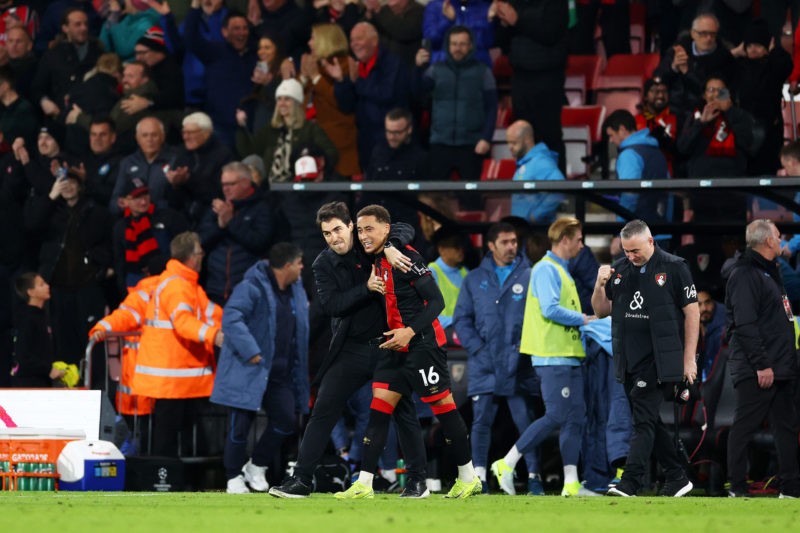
(206, 512)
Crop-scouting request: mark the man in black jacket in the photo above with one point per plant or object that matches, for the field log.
(654, 330)
(763, 358)
(347, 290)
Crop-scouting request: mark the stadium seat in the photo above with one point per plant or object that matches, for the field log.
(621, 98)
(620, 85)
(581, 126)
(790, 133)
(498, 169)
(638, 14)
(581, 77)
(497, 207)
(641, 65)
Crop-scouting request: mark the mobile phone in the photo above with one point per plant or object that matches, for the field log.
(426, 44)
(724, 94)
(263, 66)
(61, 174)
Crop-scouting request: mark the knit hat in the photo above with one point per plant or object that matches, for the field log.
(306, 168)
(655, 80)
(257, 162)
(757, 33)
(154, 40)
(292, 89)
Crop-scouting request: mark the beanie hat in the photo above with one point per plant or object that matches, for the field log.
(154, 40)
(757, 33)
(292, 89)
(655, 80)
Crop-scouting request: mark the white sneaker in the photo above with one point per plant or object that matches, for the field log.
(237, 486)
(255, 476)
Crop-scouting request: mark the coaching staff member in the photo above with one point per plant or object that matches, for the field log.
(763, 358)
(353, 298)
(655, 321)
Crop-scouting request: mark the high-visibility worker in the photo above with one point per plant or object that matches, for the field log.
(175, 364)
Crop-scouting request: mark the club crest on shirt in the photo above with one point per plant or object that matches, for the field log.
(618, 280)
(661, 279)
(517, 288)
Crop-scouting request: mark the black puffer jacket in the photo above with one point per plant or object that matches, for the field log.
(761, 334)
(538, 41)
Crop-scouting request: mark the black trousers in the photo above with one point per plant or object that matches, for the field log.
(753, 405)
(444, 159)
(353, 367)
(650, 434)
(538, 98)
(172, 417)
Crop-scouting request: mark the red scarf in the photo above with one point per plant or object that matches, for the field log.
(139, 240)
(365, 68)
(722, 141)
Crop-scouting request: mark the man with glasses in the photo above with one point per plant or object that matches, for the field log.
(686, 66)
(236, 231)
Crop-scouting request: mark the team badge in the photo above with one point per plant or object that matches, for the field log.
(661, 279)
(703, 261)
(618, 280)
(565, 392)
(104, 169)
(641, 384)
(517, 288)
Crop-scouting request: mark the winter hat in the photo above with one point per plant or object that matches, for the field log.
(757, 33)
(655, 80)
(135, 188)
(306, 168)
(292, 89)
(154, 40)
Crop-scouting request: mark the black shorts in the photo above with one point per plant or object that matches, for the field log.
(423, 370)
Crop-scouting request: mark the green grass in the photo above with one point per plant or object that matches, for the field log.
(260, 513)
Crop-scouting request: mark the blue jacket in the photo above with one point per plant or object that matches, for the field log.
(640, 158)
(387, 86)
(248, 322)
(488, 322)
(712, 341)
(471, 14)
(230, 251)
(227, 79)
(540, 163)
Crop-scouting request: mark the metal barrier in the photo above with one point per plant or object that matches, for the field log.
(86, 364)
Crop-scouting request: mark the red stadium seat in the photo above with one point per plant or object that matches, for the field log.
(498, 169)
(641, 65)
(582, 73)
(638, 14)
(581, 126)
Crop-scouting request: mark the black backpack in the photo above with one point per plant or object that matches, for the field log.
(332, 474)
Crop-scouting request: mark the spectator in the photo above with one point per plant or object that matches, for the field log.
(790, 161)
(96, 95)
(552, 317)
(100, 166)
(136, 82)
(236, 231)
(141, 238)
(65, 63)
(283, 18)
(689, 63)
(17, 115)
(205, 156)
(260, 103)
(449, 272)
(442, 15)
(213, 12)
(33, 346)
(399, 23)
(375, 84)
(534, 161)
(155, 163)
(328, 41)
(488, 321)
(657, 116)
(151, 49)
(21, 59)
(464, 108)
(263, 364)
(125, 25)
(40, 169)
(52, 19)
(763, 359)
(228, 68)
(288, 129)
(712, 328)
(14, 14)
(639, 159)
(341, 12)
(762, 69)
(75, 256)
(175, 364)
(535, 35)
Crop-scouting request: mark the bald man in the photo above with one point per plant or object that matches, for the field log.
(375, 84)
(535, 161)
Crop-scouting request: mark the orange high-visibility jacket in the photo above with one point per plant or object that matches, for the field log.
(129, 316)
(176, 349)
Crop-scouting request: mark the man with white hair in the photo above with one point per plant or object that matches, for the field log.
(763, 359)
(655, 325)
(205, 155)
(151, 163)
